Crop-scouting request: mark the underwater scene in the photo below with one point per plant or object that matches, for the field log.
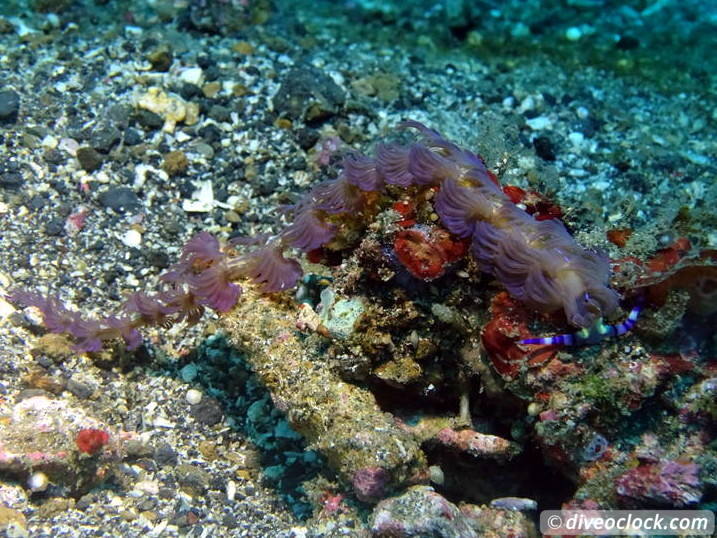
(355, 268)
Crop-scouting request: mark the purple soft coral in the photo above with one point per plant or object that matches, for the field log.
(123, 327)
(269, 268)
(55, 316)
(153, 310)
(308, 231)
(392, 163)
(459, 205)
(537, 261)
(200, 252)
(214, 287)
(337, 196)
(88, 334)
(203, 267)
(361, 171)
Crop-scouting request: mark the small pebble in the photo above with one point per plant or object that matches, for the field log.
(132, 137)
(518, 504)
(161, 60)
(120, 199)
(436, 475)
(132, 238)
(6, 309)
(11, 180)
(90, 159)
(534, 409)
(78, 389)
(175, 163)
(527, 104)
(193, 396)
(544, 148)
(582, 112)
(193, 75)
(231, 490)
(164, 454)
(576, 139)
(9, 106)
(103, 137)
(68, 145)
(55, 227)
(538, 123)
(49, 142)
(38, 481)
(207, 412)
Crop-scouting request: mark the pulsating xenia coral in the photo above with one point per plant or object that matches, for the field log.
(536, 260)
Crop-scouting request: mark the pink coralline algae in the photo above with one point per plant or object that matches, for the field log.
(509, 323)
(49, 436)
(91, 440)
(668, 483)
(700, 404)
(76, 221)
(332, 502)
(679, 266)
(419, 512)
(369, 483)
(476, 444)
(535, 203)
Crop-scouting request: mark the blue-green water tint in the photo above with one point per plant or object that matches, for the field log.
(665, 42)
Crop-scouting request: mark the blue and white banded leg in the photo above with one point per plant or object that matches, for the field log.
(589, 335)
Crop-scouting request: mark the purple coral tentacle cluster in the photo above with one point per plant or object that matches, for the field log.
(202, 271)
(309, 230)
(89, 334)
(203, 277)
(268, 267)
(361, 171)
(537, 261)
